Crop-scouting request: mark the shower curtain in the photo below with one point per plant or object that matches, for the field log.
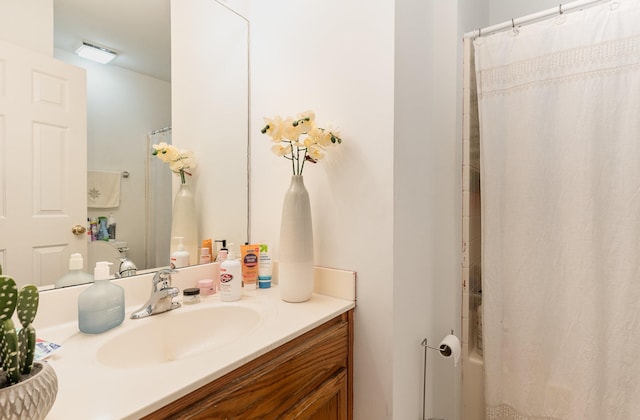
(559, 106)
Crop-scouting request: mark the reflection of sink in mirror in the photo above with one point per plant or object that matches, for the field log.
(110, 251)
(177, 335)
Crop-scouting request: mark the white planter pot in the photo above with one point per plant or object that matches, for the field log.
(295, 269)
(31, 398)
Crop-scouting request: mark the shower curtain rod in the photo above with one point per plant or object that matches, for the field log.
(562, 8)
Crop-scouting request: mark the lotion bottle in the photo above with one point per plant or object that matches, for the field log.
(101, 306)
(264, 267)
(180, 257)
(230, 279)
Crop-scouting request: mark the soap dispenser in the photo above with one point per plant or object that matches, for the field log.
(101, 306)
(75, 274)
(180, 257)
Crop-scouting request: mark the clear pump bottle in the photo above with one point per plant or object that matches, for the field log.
(101, 306)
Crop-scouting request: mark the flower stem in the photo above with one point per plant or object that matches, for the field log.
(182, 176)
(303, 161)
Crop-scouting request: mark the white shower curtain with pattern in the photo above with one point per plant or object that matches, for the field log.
(559, 106)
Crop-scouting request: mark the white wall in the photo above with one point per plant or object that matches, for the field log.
(336, 58)
(28, 23)
(122, 107)
(413, 211)
(426, 205)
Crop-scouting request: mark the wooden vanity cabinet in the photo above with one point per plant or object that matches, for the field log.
(310, 377)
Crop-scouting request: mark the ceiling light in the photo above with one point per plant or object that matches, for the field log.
(95, 53)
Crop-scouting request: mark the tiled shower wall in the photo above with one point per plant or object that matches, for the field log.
(473, 406)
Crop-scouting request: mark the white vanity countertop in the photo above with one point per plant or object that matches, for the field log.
(90, 389)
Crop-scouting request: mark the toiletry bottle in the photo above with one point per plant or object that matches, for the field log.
(230, 279)
(180, 257)
(249, 261)
(111, 226)
(101, 306)
(75, 274)
(264, 267)
(205, 256)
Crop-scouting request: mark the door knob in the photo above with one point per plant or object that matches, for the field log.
(78, 229)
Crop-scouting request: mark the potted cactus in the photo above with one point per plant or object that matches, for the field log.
(27, 389)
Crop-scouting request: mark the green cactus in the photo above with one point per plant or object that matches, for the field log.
(17, 349)
(28, 300)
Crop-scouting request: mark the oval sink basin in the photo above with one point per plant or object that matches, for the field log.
(176, 335)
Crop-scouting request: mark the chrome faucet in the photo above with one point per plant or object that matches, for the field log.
(162, 295)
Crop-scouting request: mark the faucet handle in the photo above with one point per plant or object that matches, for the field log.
(162, 279)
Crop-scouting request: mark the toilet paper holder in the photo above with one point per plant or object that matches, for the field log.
(445, 351)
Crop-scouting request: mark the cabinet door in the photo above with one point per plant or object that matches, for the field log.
(306, 378)
(327, 402)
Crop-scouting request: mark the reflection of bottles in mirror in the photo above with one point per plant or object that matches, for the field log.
(208, 243)
(76, 275)
(103, 233)
(222, 254)
(205, 257)
(94, 229)
(111, 227)
(180, 257)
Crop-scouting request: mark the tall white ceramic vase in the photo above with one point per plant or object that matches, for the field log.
(295, 266)
(184, 223)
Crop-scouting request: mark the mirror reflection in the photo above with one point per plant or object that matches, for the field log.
(129, 109)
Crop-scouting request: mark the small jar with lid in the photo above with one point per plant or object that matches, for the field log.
(206, 286)
(191, 295)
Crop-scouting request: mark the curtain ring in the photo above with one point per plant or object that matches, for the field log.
(560, 9)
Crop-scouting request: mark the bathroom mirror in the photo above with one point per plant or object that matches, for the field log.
(129, 108)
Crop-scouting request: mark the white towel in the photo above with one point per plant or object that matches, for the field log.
(103, 189)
